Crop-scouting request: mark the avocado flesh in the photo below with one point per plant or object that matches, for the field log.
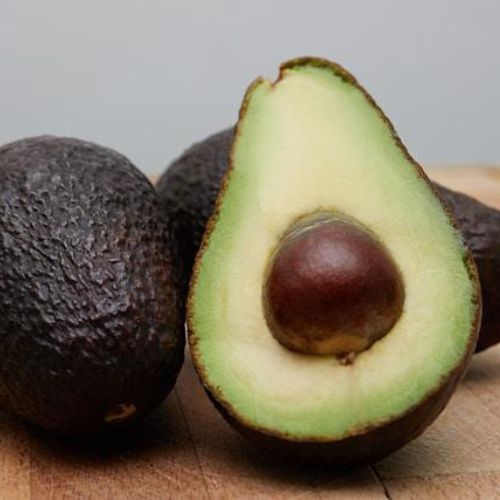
(189, 188)
(314, 141)
(91, 328)
(480, 227)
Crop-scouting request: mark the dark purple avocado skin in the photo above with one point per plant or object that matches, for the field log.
(190, 185)
(90, 314)
(188, 190)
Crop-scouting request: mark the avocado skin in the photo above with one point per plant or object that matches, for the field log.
(189, 188)
(90, 314)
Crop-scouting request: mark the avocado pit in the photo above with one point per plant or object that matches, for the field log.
(331, 287)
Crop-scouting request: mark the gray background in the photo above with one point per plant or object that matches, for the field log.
(148, 77)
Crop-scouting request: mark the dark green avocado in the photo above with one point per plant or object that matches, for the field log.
(190, 185)
(91, 327)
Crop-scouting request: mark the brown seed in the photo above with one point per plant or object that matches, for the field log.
(331, 287)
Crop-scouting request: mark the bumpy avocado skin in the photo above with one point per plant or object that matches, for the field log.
(189, 188)
(90, 315)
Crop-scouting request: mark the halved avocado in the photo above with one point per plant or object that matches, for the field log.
(318, 180)
(189, 188)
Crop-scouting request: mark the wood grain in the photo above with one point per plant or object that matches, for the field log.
(186, 450)
(480, 181)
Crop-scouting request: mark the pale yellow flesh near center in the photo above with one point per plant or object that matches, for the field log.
(314, 142)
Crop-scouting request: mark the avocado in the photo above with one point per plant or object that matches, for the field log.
(189, 187)
(91, 325)
(188, 190)
(480, 227)
(333, 306)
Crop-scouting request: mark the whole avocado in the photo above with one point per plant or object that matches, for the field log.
(91, 324)
(189, 188)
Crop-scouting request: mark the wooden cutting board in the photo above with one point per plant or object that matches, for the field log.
(185, 449)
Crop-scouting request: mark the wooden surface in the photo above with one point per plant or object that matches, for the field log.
(186, 450)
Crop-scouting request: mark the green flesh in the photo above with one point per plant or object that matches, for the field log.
(313, 141)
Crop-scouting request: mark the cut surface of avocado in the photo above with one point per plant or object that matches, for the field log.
(315, 142)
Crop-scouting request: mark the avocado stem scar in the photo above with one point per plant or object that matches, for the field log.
(348, 359)
(119, 413)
